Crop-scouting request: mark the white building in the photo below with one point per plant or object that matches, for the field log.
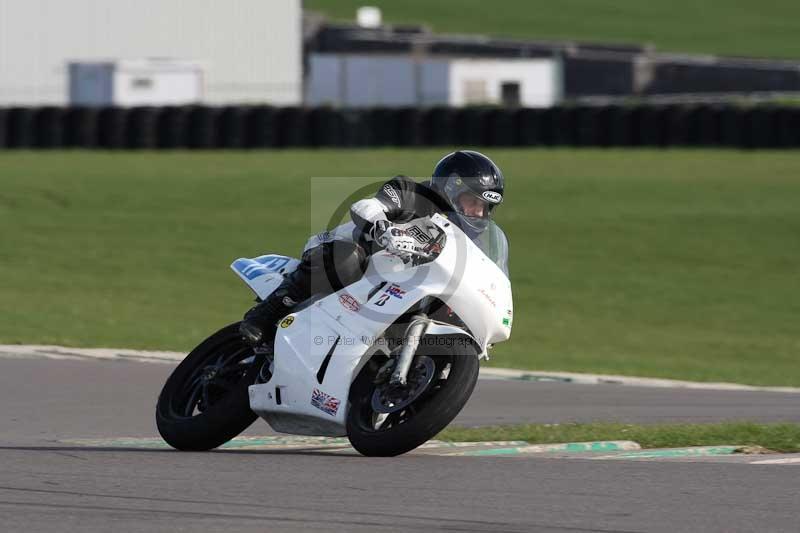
(365, 80)
(247, 51)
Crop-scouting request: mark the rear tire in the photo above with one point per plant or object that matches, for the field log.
(427, 415)
(205, 402)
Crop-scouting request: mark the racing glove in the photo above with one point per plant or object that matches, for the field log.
(395, 240)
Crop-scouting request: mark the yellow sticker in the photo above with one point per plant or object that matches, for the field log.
(458, 181)
(286, 322)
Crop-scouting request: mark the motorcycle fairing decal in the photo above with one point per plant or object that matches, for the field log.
(324, 402)
(265, 273)
(253, 268)
(396, 291)
(375, 290)
(349, 303)
(393, 290)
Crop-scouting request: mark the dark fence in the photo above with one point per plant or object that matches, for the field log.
(247, 127)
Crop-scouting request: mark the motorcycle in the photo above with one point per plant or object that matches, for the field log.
(388, 361)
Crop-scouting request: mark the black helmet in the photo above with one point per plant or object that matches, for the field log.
(468, 172)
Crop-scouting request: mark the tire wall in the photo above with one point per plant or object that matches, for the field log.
(260, 127)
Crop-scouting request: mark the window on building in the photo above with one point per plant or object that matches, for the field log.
(509, 93)
(475, 92)
(141, 83)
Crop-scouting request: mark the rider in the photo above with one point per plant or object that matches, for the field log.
(465, 186)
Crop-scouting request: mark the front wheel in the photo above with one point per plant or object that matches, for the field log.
(386, 422)
(205, 402)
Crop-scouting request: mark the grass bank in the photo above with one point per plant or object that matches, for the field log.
(776, 437)
(677, 263)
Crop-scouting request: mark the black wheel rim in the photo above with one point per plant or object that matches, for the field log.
(387, 399)
(371, 421)
(219, 374)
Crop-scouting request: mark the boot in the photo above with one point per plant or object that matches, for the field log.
(260, 321)
(322, 269)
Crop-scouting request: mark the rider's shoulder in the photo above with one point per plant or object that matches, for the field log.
(401, 182)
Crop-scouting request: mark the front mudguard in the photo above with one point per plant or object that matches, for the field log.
(455, 334)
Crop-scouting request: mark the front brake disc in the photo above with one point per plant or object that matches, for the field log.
(390, 399)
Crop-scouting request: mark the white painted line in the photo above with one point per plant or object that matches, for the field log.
(114, 354)
(605, 379)
(792, 460)
(109, 354)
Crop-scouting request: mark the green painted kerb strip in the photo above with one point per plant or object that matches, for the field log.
(569, 447)
(678, 452)
(541, 378)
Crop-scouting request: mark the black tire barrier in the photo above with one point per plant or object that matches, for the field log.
(549, 127)
(202, 127)
(470, 127)
(48, 127)
(293, 129)
(528, 123)
(588, 126)
(620, 125)
(410, 127)
(80, 127)
(731, 127)
(142, 128)
(561, 126)
(355, 129)
(3, 126)
(676, 125)
(762, 128)
(237, 127)
(788, 127)
(231, 127)
(19, 127)
(112, 127)
(439, 126)
(500, 128)
(652, 127)
(707, 125)
(326, 127)
(171, 128)
(383, 126)
(261, 127)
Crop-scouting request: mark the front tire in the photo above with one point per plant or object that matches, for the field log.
(378, 434)
(205, 402)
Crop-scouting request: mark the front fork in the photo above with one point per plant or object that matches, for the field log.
(411, 339)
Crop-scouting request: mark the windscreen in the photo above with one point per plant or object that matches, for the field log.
(494, 244)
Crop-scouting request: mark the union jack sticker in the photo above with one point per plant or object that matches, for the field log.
(324, 402)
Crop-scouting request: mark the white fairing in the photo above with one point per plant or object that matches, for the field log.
(320, 350)
(263, 274)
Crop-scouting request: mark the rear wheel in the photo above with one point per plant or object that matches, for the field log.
(205, 402)
(387, 421)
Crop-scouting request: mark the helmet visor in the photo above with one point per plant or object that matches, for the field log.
(476, 209)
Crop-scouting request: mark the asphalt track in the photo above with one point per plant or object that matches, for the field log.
(47, 484)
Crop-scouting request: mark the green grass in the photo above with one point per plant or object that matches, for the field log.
(775, 437)
(676, 264)
(733, 27)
